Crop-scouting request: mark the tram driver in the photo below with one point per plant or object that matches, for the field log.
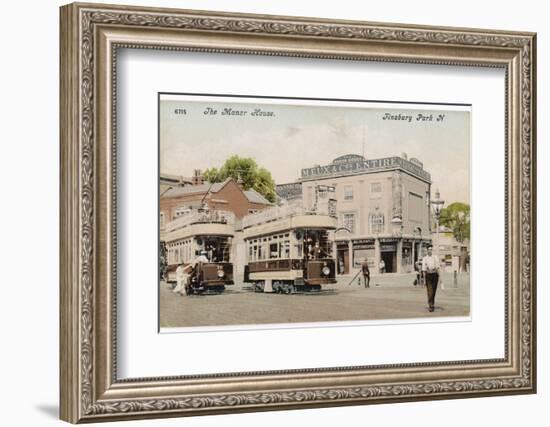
(315, 251)
(202, 258)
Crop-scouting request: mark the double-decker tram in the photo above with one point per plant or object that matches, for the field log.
(289, 249)
(201, 240)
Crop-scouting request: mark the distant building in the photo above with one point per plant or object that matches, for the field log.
(454, 255)
(168, 181)
(383, 208)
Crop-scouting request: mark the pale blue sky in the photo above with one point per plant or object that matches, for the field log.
(301, 136)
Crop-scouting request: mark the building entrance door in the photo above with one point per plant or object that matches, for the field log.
(343, 261)
(389, 261)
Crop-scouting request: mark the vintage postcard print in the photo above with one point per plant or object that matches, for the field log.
(286, 211)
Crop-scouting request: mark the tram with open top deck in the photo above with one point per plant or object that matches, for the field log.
(202, 240)
(289, 249)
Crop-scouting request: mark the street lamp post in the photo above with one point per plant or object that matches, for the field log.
(437, 205)
(417, 235)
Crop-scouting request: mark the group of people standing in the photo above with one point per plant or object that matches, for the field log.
(428, 271)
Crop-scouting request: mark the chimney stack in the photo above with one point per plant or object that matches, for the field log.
(197, 177)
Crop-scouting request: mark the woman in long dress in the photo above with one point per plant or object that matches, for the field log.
(182, 275)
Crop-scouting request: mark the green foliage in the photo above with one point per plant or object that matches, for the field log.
(245, 168)
(456, 216)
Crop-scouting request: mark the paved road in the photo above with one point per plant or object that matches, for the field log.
(390, 296)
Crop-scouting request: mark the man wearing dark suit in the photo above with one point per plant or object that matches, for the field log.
(366, 273)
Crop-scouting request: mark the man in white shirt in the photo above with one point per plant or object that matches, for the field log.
(382, 266)
(201, 258)
(430, 271)
(196, 273)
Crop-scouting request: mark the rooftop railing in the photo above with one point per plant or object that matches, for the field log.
(327, 208)
(201, 217)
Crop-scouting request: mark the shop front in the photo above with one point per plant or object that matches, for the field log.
(343, 257)
(407, 255)
(364, 249)
(388, 254)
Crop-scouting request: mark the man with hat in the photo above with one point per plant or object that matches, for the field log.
(430, 271)
(366, 273)
(201, 258)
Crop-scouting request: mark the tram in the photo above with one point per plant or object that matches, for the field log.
(289, 250)
(203, 240)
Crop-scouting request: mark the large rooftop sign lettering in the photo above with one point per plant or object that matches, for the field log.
(351, 164)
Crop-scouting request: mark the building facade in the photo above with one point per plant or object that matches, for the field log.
(383, 209)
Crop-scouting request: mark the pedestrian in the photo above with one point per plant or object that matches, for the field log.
(382, 266)
(182, 276)
(366, 273)
(418, 272)
(430, 271)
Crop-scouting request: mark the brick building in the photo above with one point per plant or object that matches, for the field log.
(228, 196)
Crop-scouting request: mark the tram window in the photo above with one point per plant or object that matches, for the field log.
(286, 249)
(273, 253)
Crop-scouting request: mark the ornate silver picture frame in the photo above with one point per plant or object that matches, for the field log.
(92, 37)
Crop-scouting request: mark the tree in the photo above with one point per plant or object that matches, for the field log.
(253, 176)
(456, 216)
